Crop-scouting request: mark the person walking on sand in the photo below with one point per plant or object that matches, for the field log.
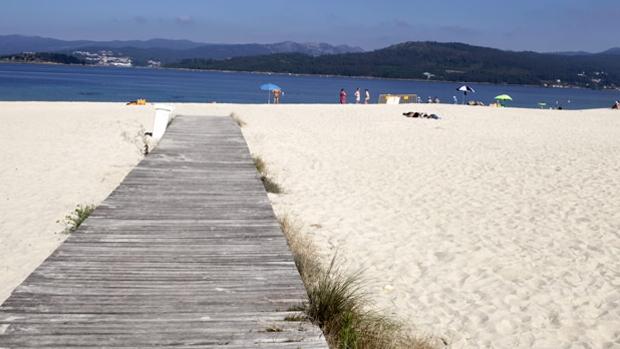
(358, 96)
(367, 97)
(343, 96)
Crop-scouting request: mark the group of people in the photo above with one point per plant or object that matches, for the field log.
(357, 95)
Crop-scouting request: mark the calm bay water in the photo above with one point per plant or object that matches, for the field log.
(29, 82)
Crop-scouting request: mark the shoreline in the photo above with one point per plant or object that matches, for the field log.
(275, 106)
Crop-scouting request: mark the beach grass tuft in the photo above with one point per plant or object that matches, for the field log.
(77, 217)
(268, 183)
(261, 167)
(338, 304)
(238, 119)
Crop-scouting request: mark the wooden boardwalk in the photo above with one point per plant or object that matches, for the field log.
(185, 253)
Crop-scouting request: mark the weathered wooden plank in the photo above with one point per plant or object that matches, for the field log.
(185, 253)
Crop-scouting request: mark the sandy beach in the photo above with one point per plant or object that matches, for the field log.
(54, 157)
(489, 228)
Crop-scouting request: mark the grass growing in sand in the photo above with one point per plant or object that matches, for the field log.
(140, 140)
(77, 217)
(238, 119)
(339, 306)
(270, 185)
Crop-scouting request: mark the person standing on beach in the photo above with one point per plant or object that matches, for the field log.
(358, 96)
(343, 96)
(276, 96)
(367, 97)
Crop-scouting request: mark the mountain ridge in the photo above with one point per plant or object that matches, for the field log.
(612, 51)
(168, 49)
(450, 61)
(444, 61)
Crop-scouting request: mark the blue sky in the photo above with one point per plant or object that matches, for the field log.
(541, 25)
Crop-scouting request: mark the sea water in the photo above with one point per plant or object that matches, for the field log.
(38, 82)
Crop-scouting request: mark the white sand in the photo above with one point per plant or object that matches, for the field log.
(492, 228)
(55, 156)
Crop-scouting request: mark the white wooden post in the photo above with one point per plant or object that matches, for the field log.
(163, 116)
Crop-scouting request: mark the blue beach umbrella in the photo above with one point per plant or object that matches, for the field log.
(269, 87)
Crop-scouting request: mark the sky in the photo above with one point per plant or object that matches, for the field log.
(538, 25)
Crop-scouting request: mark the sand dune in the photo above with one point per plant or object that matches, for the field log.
(490, 228)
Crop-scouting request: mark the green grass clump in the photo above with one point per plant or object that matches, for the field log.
(268, 183)
(333, 295)
(339, 306)
(77, 217)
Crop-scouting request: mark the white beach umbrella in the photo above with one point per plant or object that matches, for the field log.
(465, 89)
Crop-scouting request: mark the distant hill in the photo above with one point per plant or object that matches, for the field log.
(445, 61)
(572, 53)
(218, 51)
(411, 60)
(163, 49)
(14, 44)
(42, 57)
(612, 51)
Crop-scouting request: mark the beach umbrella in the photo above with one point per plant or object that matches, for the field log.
(503, 98)
(269, 88)
(465, 89)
